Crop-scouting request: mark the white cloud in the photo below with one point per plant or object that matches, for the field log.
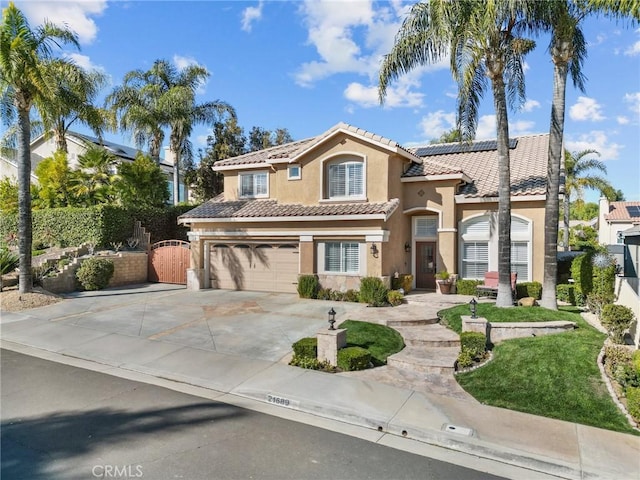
(594, 140)
(622, 120)
(633, 99)
(251, 15)
(436, 123)
(486, 127)
(74, 14)
(184, 62)
(586, 109)
(350, 37)
(84, 61)
(399, 94)
(633, 50)
(529, 105)
(521, 127)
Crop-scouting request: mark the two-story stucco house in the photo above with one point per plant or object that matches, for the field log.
(349, 203)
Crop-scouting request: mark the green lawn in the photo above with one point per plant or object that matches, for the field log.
(451, 317)
(380, 340)
(554, 376)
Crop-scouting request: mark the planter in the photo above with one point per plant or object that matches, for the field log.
(445, 288)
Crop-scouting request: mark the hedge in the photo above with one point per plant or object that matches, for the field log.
(467, 286)
(565, 292)
(353, 358)
(529, 289)
(306, 347)
(582, 274)
(100, 225)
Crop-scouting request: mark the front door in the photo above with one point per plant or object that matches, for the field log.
(426, 265)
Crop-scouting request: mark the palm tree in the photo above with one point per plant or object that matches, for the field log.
(23, 84)
(72, 100)
(163, 97)
(577, 178)
(482, 40)
(91, 182)
(568, 51)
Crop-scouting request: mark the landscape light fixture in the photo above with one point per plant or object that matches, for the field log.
(332, 318)
(374, 250)
(474, 308)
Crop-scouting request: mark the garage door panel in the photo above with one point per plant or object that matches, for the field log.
(271, 268)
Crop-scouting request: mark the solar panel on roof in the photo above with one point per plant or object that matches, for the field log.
(633, 210)
(450, 148)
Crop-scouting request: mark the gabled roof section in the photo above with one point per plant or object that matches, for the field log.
(219, 210)
(479, 161)
(624, 212)
(291, 152)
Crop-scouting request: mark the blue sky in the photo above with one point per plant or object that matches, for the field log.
(307, 65)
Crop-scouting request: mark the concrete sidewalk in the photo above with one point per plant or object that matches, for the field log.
(106, 327)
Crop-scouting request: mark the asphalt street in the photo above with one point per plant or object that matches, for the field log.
(63, 422)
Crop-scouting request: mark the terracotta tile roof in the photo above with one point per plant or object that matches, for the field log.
(528, 166)
(217, 208)
(624, 211)
(293, 149)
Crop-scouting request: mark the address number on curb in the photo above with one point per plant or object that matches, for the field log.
(282, 401)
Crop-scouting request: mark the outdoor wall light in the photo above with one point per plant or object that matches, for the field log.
(332, 318)
(374, 250)
(473, 304)
(407, 247)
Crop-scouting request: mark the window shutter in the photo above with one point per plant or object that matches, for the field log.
(351, 257)
(479, 227)
(332, 257)
(336, 181)
(355, 179)
(520, 260)
(475, 259)
(261, 183)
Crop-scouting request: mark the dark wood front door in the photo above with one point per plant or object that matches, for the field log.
(426, 265)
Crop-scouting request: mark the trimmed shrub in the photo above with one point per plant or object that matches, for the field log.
(308, 286)
(615, 356)
(566, 293)
(312, 364)
(582, 274)
(351, 296)
(395, 298)
(529, 289)
(324, 294)
(467, 286)
(353, 358)
(95, 273)
(336, 296)
(373, 292)
(635, 360)
(604, 278)
(473, 342)
(616, 319)
(633, 402)
(306, 348)
(404, 281)
(465, 359)
(597, 300)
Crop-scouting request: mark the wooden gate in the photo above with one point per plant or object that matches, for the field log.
(168, 262)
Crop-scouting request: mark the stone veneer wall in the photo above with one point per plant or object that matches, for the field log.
(342, 283)
(498, 331)
(129, 268)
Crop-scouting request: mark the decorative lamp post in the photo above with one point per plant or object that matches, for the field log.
(332, 318)
(474, 308)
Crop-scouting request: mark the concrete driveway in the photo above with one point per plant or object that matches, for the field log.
(257, 325)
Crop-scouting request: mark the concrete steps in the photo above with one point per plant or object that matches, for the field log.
(429, 335)
(439, 360)
(411, 323)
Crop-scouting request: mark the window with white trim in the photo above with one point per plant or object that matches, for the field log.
(342, 257)
(253, 185)
(345, 179)
(426, 227)
(475, 259)
(294, 172)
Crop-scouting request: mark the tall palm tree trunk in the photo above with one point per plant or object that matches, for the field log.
(565, 220)
(504, 298)
(176, 179)
(552, 202)
(24, 196)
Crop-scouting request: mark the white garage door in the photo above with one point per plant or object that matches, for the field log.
(266, 268)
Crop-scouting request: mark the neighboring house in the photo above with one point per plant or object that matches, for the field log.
(615, 218)
(593, 223)
(349, 203)
(43, 147)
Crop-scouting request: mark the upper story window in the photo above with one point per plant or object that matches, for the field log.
(294, 172)
(345, 179)
(253, 185)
